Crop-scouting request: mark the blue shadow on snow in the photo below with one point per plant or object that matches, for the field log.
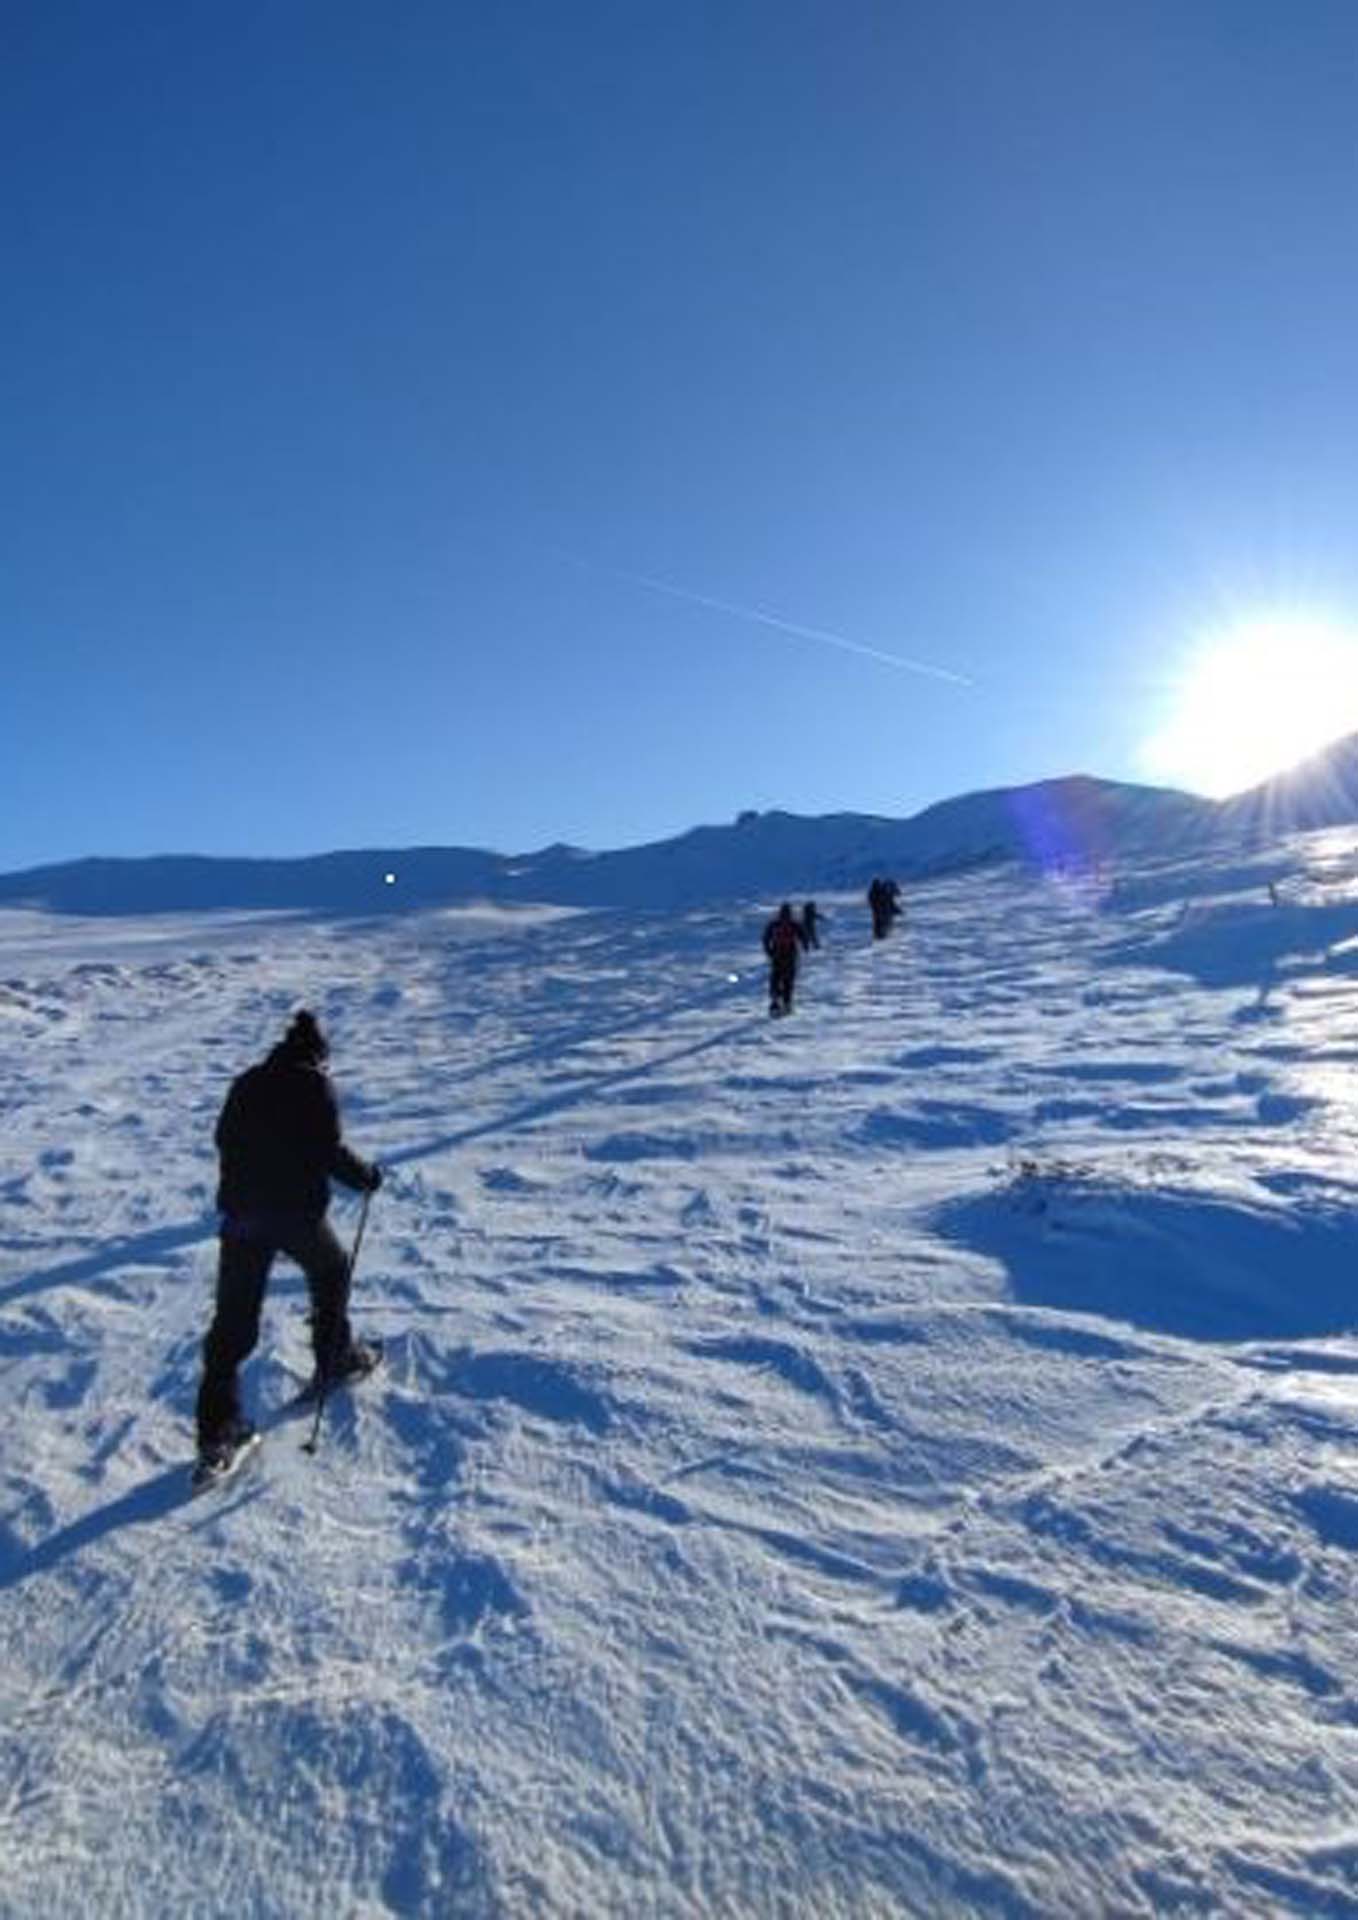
(147, 1249)
(151, 1501)
(1170, 1261)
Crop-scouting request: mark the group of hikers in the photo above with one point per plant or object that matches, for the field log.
(787, 936)
(279, 1145)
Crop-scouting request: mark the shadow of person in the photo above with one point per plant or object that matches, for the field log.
(1263, 1006)
(149, 1502)
(155, 1499)
(147, 1249)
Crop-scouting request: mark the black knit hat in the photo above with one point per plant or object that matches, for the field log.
(305, 1039)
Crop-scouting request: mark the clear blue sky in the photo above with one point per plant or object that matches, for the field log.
(1016, 339)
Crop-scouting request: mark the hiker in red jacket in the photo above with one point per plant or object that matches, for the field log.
(784, 938)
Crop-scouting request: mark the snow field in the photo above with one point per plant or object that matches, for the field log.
(898, 1459)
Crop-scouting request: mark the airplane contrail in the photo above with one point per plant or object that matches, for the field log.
(904, 662)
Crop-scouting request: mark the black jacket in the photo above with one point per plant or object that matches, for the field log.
(278, 1136)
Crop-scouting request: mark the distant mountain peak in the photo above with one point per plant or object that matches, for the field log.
(1070, 821)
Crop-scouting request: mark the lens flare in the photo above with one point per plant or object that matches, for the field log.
(1254, 700)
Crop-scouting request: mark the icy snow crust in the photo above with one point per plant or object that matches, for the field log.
(901, 1459)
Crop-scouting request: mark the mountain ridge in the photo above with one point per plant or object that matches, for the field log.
(1070, 822)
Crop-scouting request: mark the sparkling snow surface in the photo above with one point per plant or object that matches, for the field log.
(899, 1459)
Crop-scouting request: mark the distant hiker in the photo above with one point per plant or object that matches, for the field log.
(1273, 893)
(884, 900)
(811, 924)
(784, 939)
(278, 1138)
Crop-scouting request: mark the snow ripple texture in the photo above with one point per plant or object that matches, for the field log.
(898, 1460)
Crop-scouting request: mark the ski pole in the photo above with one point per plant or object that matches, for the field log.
(309, 1446)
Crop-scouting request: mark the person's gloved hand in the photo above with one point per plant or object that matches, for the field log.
(374, 1178)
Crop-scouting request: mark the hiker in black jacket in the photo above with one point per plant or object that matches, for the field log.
(884, 899)
(278, 1137)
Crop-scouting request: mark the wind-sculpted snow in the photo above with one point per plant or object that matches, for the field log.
(899, 1459)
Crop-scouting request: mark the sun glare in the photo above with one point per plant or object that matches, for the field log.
(1254, 701)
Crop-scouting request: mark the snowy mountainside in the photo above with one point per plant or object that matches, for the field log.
(1066, 824)
(898, 1459)
(1075, 822)
(1321, 792)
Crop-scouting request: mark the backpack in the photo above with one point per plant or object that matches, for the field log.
(782, 939)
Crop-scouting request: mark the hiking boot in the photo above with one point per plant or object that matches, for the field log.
(355, 1364)
(218, 1446)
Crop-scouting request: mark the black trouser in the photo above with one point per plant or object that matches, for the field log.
(242, 1275)
(782, 979)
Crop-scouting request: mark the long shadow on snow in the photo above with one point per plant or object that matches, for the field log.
(1169, 1261)
(147, 1249)
(150, 1248)
(581, 1035)
(140, 1506)
(150, 1501)
(559, 1102)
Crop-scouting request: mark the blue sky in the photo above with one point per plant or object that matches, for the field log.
(361, 364)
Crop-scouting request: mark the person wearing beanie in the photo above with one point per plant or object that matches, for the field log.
(279, 1146)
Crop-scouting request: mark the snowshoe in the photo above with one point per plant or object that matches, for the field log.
(219, 1459)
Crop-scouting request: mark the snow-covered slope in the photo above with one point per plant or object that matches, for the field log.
(1066, 823)
(1321, 792)
(901, 1459)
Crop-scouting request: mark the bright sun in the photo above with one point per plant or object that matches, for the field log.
(1255, 700)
